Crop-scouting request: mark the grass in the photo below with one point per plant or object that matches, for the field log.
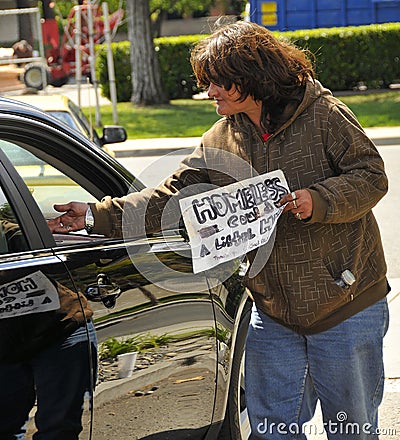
(191, 118)
(375, 109)
(181, 118)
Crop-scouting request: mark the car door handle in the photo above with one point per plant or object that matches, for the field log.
(103, 290)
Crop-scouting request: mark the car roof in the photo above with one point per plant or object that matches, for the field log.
(52, 102)
(11, 106)
(23, 110)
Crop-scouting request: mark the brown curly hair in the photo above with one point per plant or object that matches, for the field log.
(249, 57)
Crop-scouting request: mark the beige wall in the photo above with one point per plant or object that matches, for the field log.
(8, 24)
(190, 26)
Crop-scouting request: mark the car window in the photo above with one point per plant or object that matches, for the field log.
(44, 322)
(47, 184)
(83, 120)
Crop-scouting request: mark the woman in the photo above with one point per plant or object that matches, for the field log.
(319, 312)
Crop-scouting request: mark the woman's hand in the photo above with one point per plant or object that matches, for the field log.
(72, 219)
(299, 203)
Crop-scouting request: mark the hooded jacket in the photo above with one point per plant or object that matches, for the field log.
(320, 147)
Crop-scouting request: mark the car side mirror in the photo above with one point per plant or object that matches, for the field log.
(113, 134)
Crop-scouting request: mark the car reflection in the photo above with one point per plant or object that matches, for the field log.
(187, 330)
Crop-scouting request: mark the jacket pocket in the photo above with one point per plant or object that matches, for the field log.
(311, 292)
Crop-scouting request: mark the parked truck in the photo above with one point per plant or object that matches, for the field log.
(60, 50)
(284, 15)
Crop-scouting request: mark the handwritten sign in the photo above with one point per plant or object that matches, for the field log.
(227, 222)
(33, 293)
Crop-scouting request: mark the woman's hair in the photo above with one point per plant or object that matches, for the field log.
(249, 57)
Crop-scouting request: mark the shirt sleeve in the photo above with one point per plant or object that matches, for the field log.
(151, 209)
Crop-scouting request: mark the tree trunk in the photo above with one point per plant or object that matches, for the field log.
(156, 24)
(146, 78)
(25, 22)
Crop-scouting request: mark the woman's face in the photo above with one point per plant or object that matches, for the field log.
(227, 101)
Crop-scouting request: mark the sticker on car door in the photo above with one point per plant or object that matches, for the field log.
(34, 293)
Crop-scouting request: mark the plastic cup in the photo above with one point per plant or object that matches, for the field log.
(126, 364)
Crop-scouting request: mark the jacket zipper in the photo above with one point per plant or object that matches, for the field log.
(282, 292)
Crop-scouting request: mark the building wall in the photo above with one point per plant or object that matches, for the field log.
(191, 26)
(9, 23)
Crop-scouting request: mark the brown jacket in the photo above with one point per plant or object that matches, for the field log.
(321, 147)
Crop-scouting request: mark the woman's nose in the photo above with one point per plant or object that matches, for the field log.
(212, 90)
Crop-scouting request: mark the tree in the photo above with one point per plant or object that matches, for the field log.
(146, 78)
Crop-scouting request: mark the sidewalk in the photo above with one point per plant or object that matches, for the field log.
(159, 146)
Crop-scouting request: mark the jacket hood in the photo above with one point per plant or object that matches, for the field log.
(314, 90)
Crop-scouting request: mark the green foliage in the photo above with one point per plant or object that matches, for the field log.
(176, 71)
(112, 347)
(63, 8)
(348, 56)
(122, 65)
(344, 58)
(182, 7)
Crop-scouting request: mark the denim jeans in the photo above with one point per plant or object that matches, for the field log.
(58, 377)
(342, 367)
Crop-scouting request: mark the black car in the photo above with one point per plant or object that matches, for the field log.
(188, 331)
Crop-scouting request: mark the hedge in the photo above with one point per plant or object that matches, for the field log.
(176, 72)
(344, 58)
(348, 56)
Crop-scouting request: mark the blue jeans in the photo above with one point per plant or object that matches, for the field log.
(342, 367)
(58, 377)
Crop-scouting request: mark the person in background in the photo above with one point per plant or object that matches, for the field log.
(44, 357)
(319, 299)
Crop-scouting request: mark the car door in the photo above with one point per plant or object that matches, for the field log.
(36, 350)
(143, 293)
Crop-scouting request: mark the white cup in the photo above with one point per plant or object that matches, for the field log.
(126, 364)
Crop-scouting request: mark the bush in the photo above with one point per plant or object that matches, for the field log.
(112, 347)
(122, 67)
(348, 56)
(176, 71)
(344, 58)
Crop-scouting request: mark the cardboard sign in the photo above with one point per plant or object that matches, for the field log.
(33, 293)
(227, 222)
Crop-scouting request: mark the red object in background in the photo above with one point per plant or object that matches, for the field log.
(60, 51)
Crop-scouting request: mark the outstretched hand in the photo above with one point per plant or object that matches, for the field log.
(71, 219)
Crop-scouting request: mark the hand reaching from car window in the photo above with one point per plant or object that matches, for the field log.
(71, 219)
